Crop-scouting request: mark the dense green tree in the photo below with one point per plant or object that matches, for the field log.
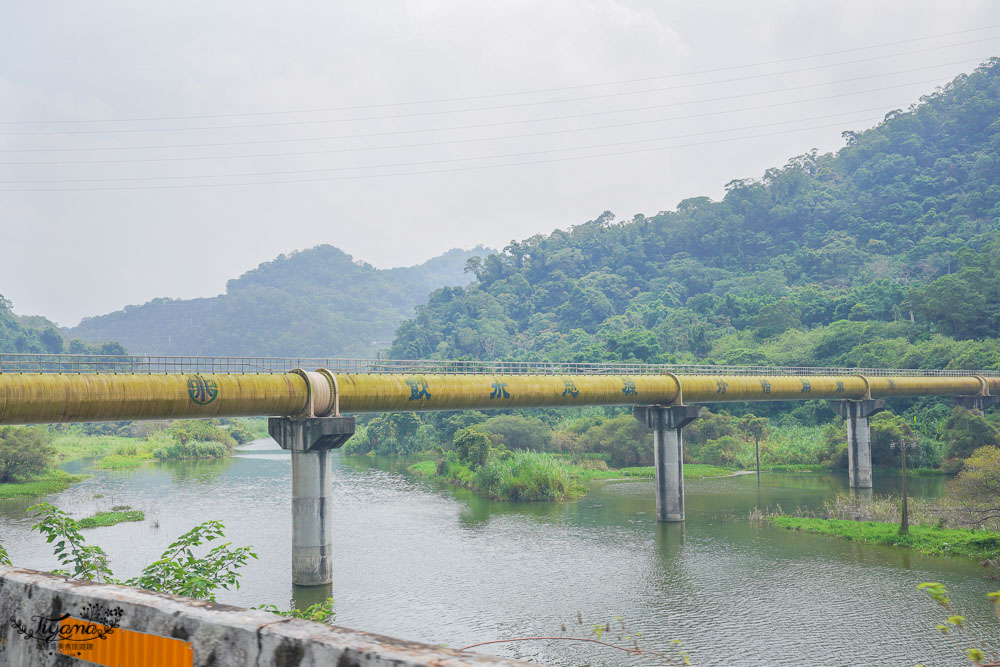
(978, 485)
(626, 441)
(472, 445)
(24, 452)
(966, 431)
(517, 432)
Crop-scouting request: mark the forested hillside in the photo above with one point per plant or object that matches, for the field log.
(318, 302)
(36, 334)
(884, 253)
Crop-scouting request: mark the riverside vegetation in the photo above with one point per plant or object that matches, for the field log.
(965, 522)
(884, 253)
(28, 453)
(549, 454)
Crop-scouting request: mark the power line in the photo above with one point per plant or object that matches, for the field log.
(438, 143)
(484, 125)
(407, 164)
(575, 87)
(417, 173)
(433, 113)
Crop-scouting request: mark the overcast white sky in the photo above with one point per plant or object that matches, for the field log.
(378, 126)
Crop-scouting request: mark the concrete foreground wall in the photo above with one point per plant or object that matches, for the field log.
(207, 633)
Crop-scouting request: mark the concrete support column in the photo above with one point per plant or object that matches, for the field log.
(668, 454)
(977, 403)
(859, 438)
(310, 441)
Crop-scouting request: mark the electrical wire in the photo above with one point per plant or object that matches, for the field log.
(417, 163)
(418, 173)
(575, 87)
(423, 144)
(437, 113)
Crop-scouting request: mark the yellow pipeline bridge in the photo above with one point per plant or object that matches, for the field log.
(72, 388)
(304, 399)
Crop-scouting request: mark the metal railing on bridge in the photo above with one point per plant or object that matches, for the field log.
(142, 364)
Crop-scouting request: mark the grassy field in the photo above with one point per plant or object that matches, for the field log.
(69, 446)
(926, 539)
(53, 481)
(120, 453)
(118, 514)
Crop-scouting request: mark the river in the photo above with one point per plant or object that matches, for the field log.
(424, 561)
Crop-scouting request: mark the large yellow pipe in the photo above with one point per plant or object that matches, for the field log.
(51, 398)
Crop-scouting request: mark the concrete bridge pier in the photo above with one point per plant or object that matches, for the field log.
(977, 403)
(859, 439)
(310, 441)
(667, 423)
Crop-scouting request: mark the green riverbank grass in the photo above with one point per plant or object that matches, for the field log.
(787, 445)
(795, 467)
(424, 468)
(926, 539)
(117, 515)
(123, 461)
(69, 446)
(538, 476)
(691, 471)
(526, 476)
(53, 481)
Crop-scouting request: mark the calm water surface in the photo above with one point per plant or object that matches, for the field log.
(427, 562)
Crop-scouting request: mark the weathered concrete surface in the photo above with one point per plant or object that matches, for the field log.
(668, 454)
(310, 440)
(221, 635)
(977, 403)
(859, 438)
(310, 433)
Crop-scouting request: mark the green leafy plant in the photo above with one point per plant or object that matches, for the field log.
(4, 556)
(957, 631)
(321, 612)
(180, 572)
(177, 571)
(83, 560)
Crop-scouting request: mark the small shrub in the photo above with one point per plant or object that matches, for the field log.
(241, 434)
(200, 430)
(176, 450)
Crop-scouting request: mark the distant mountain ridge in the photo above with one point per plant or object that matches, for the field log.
(316, 302)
